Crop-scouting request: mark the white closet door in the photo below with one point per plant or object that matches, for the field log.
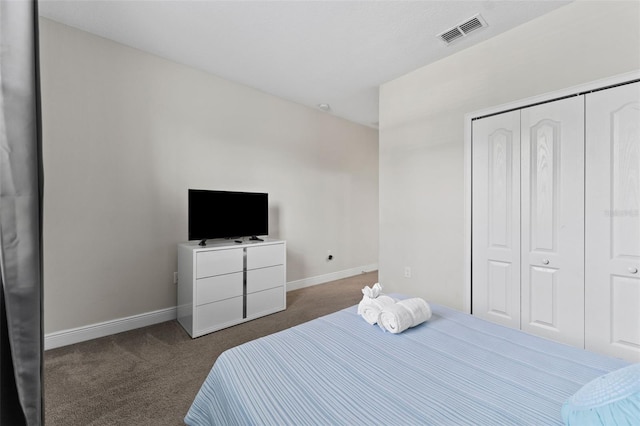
(552, 220)
(612, 288)
(496, 219)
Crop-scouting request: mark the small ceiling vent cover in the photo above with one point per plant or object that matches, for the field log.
(463, 29)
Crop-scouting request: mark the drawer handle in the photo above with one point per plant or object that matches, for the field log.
(545, 261)
(633, 270)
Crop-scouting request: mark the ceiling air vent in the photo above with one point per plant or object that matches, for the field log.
(451, 35)
(463, 29)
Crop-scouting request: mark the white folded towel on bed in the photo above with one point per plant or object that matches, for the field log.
(404, 314)
(419, 308)
(370, 308)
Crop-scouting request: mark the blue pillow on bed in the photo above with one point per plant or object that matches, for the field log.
(612, 399)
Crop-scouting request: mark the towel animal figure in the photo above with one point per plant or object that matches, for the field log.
(404, 314)
(372, 303)
(373, 291)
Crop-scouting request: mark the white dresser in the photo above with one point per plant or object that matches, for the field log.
(226, 283)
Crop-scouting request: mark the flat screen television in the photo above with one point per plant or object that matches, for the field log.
(227, 214)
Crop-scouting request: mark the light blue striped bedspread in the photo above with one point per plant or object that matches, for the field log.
(454, 369)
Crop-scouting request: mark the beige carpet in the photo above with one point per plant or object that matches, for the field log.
(150, 376)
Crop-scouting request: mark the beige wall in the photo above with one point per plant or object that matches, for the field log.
(127, 133)
(422, 130)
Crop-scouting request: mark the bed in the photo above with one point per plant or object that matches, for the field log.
(338, 369)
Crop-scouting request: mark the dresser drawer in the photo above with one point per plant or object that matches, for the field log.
(218, 262)
(265, 302)
(219, 287)
(263, 256)
(217, 315)
(265, 278)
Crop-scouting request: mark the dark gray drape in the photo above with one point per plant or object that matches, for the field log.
(21, 333)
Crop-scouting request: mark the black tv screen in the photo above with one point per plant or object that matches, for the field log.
(227, 214)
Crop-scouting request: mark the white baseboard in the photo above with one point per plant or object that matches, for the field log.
(81, 334)
(321, 279)
(107, 328)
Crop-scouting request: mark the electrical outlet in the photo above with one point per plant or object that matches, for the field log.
(175, 278)
(407, 272)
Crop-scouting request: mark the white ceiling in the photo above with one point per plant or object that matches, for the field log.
(309, 52)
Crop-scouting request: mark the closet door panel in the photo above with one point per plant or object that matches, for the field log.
(552, 220)
(612, 252)
(496, 219)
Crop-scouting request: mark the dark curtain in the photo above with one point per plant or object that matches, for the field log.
(21, 332)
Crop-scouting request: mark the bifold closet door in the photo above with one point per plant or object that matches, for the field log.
(552, 220)
(495, 225)
(612, 287)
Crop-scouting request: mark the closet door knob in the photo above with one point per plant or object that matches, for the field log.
(633, 270)
(545, 261)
